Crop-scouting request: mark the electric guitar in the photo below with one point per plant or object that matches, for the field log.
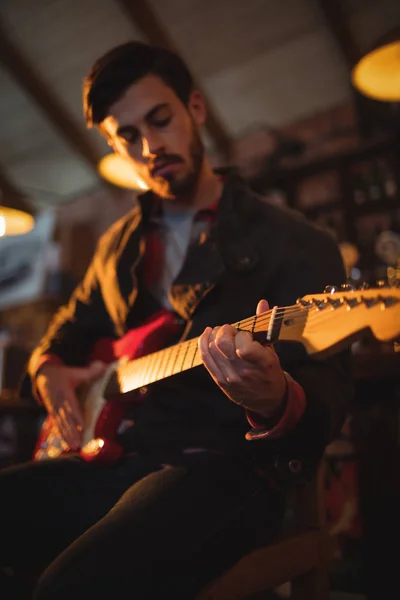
(323, 323)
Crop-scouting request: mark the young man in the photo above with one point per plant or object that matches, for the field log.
(191, 494)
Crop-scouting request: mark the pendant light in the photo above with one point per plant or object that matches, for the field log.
(377, 74)
(16, 217)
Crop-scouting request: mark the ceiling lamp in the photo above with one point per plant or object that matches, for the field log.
(15, 217)
(120, 171)
(377, 74)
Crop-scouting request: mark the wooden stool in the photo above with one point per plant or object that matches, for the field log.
(301, 557)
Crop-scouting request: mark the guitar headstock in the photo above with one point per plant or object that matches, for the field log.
(338, 315)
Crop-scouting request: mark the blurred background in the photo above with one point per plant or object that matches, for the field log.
(301, 101)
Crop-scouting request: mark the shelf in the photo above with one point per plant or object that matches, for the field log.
(314, 211)
(380, 206)
(306, 167)
(325, 190)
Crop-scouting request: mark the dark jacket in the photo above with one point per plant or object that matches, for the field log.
(253, 251)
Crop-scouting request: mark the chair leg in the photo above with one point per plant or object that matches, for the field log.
(313, 585)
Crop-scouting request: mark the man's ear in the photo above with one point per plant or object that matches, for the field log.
(102, 129)
(197, 107)
(110, 140)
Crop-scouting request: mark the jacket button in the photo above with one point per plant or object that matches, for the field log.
(244, 262)
(295, 465)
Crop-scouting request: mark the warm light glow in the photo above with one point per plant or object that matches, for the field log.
(15, 222)
(377, 75)
(120, 171)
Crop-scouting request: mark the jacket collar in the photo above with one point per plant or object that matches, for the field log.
(234, 211)
(227, 246)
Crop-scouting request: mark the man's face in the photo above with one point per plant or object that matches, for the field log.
(151, 126)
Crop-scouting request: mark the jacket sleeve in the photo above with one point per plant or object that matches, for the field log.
(78, 325)
(326, 382)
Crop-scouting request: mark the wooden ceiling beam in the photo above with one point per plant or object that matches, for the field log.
(12, 59)
(143, 18)
(339, 27)
(11, 195)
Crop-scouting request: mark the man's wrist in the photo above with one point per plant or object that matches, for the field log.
(43, 361)
(291, 412)
(273, 409)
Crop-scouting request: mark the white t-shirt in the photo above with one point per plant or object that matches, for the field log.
(176, 231)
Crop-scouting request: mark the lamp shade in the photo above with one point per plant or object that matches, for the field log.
(120, 171)
(15, 222)
(377, 74)
(16, 213)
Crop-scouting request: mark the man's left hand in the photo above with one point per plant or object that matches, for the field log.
(247, 372)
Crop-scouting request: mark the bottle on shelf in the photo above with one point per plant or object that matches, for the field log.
(375, 184)
(358, 185)
(389, 184)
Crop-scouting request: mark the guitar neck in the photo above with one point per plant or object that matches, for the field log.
(267, 327)
(321, 322)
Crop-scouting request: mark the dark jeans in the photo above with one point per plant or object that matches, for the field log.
(147, 528)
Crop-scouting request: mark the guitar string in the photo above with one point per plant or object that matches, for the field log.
(280, 313)
(191, 345)
(261, 320)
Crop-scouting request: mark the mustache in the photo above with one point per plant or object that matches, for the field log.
(163, 161)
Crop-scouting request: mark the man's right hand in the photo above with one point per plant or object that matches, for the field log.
(57, 385)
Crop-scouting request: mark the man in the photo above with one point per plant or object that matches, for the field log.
(191, 494)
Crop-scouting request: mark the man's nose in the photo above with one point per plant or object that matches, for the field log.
(152, 145)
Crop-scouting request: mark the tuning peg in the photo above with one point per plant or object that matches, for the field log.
(353, 301)
(382, 283)
(304, 303)
(363, 286)
(347, 287)
(395, 283)
(335, 302)
(330, 289)
(320, 304)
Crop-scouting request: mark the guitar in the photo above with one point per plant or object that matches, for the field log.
(323, 323)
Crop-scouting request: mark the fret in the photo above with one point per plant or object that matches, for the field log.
(192, 364)
(187, 346)
(160, 373)
(175, 352)
(170, 356)
(153, 375)
(254, 323)
(270, 332)
(139, 374)
(146, 366)
(130, 375)
(262, 321)
(134, 370)
(150, 368)
(166, 358)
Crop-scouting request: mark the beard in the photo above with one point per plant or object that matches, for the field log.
(182, 188)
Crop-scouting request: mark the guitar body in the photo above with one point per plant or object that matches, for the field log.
(102, 418)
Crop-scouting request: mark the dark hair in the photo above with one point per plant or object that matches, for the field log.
(122, 66)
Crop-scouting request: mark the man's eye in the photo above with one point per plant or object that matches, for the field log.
(130, 138)
(162, 122)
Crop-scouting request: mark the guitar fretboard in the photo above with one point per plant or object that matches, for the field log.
(180, 357)
(320, 322)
